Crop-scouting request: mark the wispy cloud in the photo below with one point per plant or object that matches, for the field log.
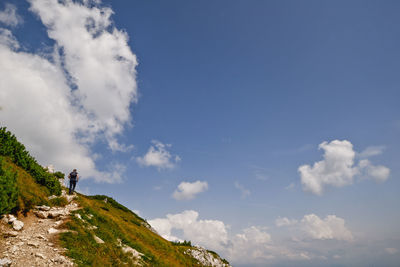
(244, 192)
(9, 16)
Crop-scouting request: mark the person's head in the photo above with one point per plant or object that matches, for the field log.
(74, 170)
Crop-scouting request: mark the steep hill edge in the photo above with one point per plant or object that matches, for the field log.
(53, 229)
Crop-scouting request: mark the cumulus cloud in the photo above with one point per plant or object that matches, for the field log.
(331, 227)
(187, 190)
(338, 167)
(75, 97)
(208, 233)
(158, 156)
(244, 192)
(284, 222)
(253, 244)
(9, 16)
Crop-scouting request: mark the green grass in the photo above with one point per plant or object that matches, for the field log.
(115, 222)
(58, 202)
(30, 193)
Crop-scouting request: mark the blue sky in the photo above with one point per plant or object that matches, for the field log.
(221, 102)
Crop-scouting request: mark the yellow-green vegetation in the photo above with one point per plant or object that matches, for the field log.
(28, 193)
(114, 223)
(11, 148)
(58, 202)
(25, 184)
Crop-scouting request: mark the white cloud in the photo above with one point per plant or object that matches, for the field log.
(331, 227)
(371, 151)
(158, 156)
(284, 222)
(187, 190)
(9, 15)
(338, 168)
(377, 172)
(211, 234)
(244, 192)
(290, 187)
(59, 124)
(254, 244)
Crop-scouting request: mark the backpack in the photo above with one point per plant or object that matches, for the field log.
(72, 175)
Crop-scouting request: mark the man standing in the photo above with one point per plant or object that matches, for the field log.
(73, 178)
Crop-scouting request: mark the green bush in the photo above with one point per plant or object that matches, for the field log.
(59, 175)
(10, 147)
(8, 190)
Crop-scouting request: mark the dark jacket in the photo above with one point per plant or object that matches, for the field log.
(73, 176)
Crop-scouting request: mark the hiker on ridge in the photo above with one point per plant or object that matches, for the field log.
(73, 178)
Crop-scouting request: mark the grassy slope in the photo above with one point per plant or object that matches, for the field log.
(29, 192)
(113, 220)
(117, 222)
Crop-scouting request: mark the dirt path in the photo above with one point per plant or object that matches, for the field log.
(35, 244)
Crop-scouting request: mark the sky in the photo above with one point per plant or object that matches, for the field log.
(267, 131)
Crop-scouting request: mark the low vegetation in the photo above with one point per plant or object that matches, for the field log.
(19, 192)
(11, 148)
(115, 223)
(25, 184)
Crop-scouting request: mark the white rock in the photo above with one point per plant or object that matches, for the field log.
(43, 208)
(134, 252)
(98, 240)
(41, 214)
(56, 214)
(17, 225)
(11, 218)
(52, 231)
(77, 215)
(51, 197)
(206, 258)
(92, 227)
(5, 262)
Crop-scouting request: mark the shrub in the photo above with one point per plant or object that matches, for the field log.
(10, 147)
(8, 190)
(59, 175)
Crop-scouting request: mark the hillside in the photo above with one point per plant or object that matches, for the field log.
(59, 230)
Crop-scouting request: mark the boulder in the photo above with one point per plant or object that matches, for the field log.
(43, 208)
(41, 214)
(52, 231)
(18, 225)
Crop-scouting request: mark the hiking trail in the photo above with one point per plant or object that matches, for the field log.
(36, 243)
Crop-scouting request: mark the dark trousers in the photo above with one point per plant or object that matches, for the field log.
(72, 184)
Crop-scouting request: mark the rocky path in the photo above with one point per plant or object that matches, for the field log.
(35, 243)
